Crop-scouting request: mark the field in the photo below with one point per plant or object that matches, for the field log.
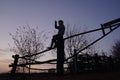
(84, 76)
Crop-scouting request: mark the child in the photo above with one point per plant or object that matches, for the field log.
(61, 31)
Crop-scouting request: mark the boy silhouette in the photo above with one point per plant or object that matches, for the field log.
(61, 31)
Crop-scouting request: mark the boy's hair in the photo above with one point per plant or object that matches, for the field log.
(61, 21)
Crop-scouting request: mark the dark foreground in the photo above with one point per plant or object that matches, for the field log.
(84, 76)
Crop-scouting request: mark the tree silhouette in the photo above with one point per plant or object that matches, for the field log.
(116, 49)
(76, 43)
(28, 41)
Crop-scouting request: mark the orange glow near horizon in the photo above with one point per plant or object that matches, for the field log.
(4, 66)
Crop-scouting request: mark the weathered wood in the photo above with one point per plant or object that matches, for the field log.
(60, 56)
(16, 57)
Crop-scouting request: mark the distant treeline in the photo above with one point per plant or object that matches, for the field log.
(94, 63)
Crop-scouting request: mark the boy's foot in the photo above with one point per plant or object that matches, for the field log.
(49, 48)
(54, 46)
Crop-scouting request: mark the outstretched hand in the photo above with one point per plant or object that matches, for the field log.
(55, 22)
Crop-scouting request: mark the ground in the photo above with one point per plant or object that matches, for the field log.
(84, 76)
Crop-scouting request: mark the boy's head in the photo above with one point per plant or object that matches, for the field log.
(60, 22)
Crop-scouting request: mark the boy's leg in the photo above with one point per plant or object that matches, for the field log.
(54, 39)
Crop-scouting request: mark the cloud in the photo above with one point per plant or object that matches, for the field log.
(4, 65)
(6, 60)
(4, 50)
(5, 54)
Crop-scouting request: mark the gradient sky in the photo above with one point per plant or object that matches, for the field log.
(85, 13)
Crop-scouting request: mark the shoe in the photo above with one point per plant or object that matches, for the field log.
(49, 48)
(55, 46)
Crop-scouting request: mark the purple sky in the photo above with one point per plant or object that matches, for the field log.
(85, 13)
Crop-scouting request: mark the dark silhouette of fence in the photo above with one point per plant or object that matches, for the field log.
(92, 62)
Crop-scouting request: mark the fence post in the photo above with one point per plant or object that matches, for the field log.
(60, 56)
(103, 29)
(75, 62)
(14, 65)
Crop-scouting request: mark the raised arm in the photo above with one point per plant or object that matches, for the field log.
(56, 27)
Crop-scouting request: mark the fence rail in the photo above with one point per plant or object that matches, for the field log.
(112, 25)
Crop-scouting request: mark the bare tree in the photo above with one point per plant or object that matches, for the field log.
(77, 42)
(116, 49)
(28, 41)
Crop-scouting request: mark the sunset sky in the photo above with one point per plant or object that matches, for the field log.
(42, 13)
